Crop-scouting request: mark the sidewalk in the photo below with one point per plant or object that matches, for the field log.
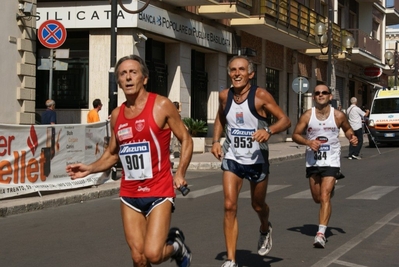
(204, 161)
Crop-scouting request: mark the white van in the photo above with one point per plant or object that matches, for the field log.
(383, 121)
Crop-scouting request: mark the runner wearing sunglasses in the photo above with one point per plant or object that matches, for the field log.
(323, 149)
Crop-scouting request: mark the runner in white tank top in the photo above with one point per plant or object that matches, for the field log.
(323, 150)
(327, 133)
(243, 109)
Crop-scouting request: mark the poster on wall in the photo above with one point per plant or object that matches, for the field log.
(33, 157)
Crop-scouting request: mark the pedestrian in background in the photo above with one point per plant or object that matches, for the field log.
(93, 115)
(244, 108)
(323, 150)
(356, 118)
(140, 137)
(49, 116)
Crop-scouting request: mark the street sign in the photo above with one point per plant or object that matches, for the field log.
(46, 64)
(372, 71)
(51, 34)
(300, 85)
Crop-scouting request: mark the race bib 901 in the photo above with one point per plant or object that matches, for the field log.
(136, 160)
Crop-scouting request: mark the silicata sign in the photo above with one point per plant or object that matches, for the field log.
(153, 19)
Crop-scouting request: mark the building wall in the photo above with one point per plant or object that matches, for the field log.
(17, 66)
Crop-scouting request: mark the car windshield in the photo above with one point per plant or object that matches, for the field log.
(386, 105)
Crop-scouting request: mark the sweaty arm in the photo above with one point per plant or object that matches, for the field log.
(283, 122)
(265, 104)
(298, 134)
(166, 111)
(218, 128)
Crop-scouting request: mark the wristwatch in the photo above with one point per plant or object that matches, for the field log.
(268, 130)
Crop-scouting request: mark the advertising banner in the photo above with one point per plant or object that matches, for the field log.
(33, 158)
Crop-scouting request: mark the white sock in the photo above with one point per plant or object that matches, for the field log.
(322, 229)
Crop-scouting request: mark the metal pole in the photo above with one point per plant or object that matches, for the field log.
(330, 44)
(50, 76)
(300, 99)
(113, 89)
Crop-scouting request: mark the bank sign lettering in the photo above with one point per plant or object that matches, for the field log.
(152, 19)
(160, 21)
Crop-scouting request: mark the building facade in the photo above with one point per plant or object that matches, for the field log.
(187, 45)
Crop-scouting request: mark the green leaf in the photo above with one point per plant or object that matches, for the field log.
(195, 126)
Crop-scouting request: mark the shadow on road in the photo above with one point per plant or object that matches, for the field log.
(249, 259)
(311, 230)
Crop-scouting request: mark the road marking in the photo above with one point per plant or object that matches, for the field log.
(306, 193)
(345, 263)
(373, 192)
(303, 195)
(203, 192)
(345, 248)
(270, 188)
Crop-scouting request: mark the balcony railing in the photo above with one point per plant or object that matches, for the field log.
(367, 43)
(291, 14)
(296, 16)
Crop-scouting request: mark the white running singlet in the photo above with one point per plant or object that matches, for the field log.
(327, 133)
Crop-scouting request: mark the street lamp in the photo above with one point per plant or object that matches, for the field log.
(323, 37)
(391, 59)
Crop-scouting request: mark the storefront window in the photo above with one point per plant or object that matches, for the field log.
(70, 88)
(155, 60)
(272, 86)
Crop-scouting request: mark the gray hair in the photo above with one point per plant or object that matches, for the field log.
(143, 66)
(50, 103)
(353, 100)
(251, 67)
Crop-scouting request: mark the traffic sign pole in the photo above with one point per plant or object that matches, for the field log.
(300, 99)
(50, 78)
(300, 85)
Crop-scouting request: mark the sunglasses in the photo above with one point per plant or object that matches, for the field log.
(321, 93)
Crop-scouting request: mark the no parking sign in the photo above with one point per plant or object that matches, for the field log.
(51, 34)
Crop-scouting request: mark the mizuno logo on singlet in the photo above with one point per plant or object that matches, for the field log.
(242, 132)
(324, 148)
(133, 149)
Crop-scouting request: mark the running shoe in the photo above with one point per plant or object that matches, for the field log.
(350, 157)
(265, 242)
(229, 263)
(357, 157)
(183, 255)
(319, 240)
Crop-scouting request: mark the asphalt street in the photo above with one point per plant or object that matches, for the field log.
(363, 230)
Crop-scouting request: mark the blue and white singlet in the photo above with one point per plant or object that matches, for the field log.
(242, 121)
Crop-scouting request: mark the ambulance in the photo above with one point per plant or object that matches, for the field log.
(383, 121)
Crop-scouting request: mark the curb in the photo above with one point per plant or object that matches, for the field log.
(51, 199)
